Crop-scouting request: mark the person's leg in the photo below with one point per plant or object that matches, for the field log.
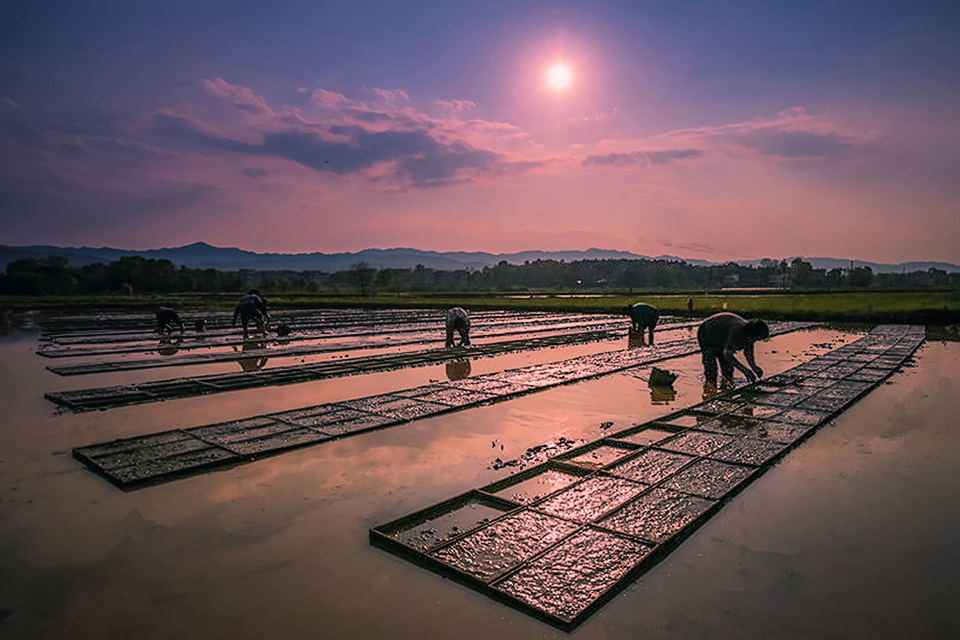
(727, 368)
(709, 366)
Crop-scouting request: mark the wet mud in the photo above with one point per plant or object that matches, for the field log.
(152, 464)
(551, 587)
(828, 529)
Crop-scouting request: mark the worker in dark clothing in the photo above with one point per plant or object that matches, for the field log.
(642, 317)
(459, 321)
(721, 336)
(251, 308)
(168, 320)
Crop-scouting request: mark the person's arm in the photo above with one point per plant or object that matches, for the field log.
(728, 355)
(748, 354)
(236, 314)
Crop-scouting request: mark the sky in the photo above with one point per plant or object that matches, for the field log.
(700, 129)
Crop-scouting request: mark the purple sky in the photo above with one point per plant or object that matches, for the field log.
(701, 129)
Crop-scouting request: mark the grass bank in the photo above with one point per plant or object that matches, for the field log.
(922, 307)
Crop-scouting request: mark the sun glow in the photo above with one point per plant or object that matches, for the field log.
(559, 77)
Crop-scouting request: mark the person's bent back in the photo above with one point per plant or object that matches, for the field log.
(723, 334)
(459, 321)
(250, 307)
(643, 317)
(168, 320)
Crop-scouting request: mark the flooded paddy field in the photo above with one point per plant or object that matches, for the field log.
(851, 535)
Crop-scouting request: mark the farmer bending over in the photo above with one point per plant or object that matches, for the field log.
(251, 308)
(642, 317)
(721, 336)
(168, 320)
(458, 320)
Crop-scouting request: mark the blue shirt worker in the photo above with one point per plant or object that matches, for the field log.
(459, 321)
(643, 317)
(721, 336)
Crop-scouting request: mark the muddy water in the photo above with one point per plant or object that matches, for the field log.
(852, 535)
(262, 400)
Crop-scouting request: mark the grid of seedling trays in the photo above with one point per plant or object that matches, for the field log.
(560, 539)
(158, 457)
(156, 390)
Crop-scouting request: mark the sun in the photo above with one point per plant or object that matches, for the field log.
(559, 77)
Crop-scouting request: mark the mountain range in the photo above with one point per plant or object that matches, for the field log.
(203, 255)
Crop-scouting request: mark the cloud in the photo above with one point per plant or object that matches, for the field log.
(795, 144)
(7, 101)
(455, 107)
(793, 133)
(397, 146)
(328, 99)
(240, 97)
(392, 97)
(660, 156)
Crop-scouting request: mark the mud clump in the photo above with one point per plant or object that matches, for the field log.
(535, 455)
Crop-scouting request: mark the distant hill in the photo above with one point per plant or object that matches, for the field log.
(203, 255)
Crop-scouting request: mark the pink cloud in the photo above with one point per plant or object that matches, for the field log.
(455, 107)
(792, 134)
(240, 97)
(393, 146)
(328, 99)
(392, 97)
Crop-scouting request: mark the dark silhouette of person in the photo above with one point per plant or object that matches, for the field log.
(721, 336)
(200, 325)
(642, 317)
(459, 321)
(254, 363)
(168, 320)
(458, 369)
(689, 304)
(252, 307)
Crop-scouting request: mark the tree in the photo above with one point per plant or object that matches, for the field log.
(363, 275)
(802, 273)
(861, 276)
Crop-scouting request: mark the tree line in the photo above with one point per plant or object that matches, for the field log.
(135, 274)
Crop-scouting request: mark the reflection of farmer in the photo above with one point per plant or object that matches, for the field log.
(251, 308)
(459, 321)
(254, 363)
(458, 369)
(643, 317)
(169, 345)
